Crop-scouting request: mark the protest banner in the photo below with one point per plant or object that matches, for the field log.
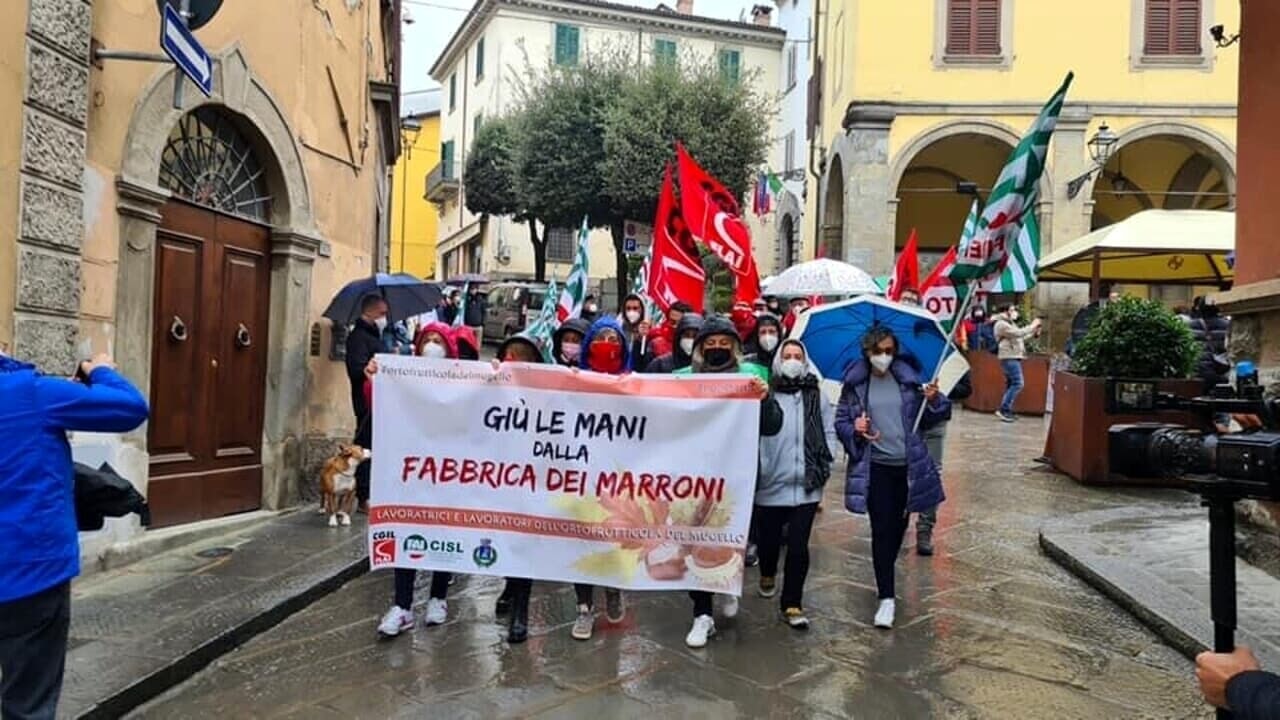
(534, 471)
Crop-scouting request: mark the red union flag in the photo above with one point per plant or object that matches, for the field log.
(675, 273)
(715, 219)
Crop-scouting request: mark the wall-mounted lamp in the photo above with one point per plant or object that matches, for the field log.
(1101, 147)
(1219, 35)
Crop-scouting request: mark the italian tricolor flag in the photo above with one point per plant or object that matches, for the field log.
(985, 252)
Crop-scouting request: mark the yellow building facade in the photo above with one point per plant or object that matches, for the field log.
(916, 96)
(413, 218)
(197, 239)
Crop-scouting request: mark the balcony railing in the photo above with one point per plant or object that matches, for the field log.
(441, 186)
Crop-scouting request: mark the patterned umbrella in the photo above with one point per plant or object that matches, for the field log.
(822, 277)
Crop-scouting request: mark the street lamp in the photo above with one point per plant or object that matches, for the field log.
(1101, 146)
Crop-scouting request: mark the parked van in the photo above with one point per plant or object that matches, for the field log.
(512, 306)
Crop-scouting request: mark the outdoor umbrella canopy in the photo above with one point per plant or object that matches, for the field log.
(406, 297)
(833, 333)
(1175, 247)
(822, 277)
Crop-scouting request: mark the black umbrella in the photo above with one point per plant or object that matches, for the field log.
(406, 296)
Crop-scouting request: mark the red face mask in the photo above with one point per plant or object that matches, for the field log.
(604, 356)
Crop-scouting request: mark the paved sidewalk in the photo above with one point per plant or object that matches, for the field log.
(144, 628)
(1155, 563)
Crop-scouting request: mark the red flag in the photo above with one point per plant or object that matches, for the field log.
(715, 219)
(939, 273)
(906, 273)
(675, 270)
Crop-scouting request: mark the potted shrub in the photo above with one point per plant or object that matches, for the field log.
(1131, 339)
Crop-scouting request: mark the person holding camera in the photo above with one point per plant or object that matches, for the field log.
(1235, 681)
(1012, 350)
(39, 543)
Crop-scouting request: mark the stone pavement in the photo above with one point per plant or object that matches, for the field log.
(141, 629)
(1155, 563)
(989, 628)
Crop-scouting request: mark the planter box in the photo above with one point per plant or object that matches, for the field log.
(1077, 442)
(988, 384)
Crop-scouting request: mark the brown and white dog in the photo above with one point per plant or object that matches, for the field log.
(338, 483)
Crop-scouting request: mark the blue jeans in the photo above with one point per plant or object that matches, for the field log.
(1012, 384)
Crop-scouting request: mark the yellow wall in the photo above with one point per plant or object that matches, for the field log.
(13, 63)
(413, 218)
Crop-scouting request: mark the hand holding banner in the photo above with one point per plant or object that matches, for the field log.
(535, 471)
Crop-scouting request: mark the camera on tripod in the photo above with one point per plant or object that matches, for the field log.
(1234, 465)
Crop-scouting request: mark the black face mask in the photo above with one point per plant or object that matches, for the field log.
(717, 357)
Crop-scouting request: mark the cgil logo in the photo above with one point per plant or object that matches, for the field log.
(416, 547)
(384, 548)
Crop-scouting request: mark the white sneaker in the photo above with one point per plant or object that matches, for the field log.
(396, 621)
(437, 612)
(730, 609)
(703, 627)
(585, 624)
(884, 615)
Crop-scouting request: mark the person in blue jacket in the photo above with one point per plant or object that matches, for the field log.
(890, 473)
(39, 544)
(1235, 681)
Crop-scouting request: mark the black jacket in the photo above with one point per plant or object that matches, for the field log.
(578, 325)
(1211, 333)
(102, 493)
(363, 342)
(677, 358)
(757, 354)
(1254, 695)
(476, 305)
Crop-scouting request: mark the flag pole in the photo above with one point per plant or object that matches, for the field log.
(951, 344)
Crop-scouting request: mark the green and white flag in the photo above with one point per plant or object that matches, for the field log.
(1020, 273)
(540, 331)
(460, 319)
(575, 288)
(640, 285)
(986, 251)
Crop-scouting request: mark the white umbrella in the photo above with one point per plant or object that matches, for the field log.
(822, 277)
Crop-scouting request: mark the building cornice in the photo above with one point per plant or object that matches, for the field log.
(1076, 110)
(605, 12)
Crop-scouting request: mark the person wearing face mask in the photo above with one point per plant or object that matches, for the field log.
(978, 331)
(794, 467)
(718, 349)
(773, 306)
(1012, 351)
(635, 329)
(363, 342)
(605, 351)
(590, 308)
(686, 332)
(566, 341)
(436, 341)
(889, 473)
(765, 339)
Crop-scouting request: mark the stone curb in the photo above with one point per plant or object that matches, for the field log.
(154, 684)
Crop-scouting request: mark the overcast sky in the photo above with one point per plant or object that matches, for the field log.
(434, 22)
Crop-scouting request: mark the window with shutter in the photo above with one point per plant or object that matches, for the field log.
(566, 44)
(1172, 27)
(664, 52)
(973, 27)
(480, 60)
(453, 91)
(730, 61)
(446, 160)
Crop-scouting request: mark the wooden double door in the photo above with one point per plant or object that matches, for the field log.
(208, 365)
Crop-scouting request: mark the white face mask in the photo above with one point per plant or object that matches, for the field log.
(793, 368)
(570, 350)
(381, 323)
(633, 317)
(686, 345)
(591, 307)
(881, 362)
(433, 350)
(1013, 315)
(768, 342)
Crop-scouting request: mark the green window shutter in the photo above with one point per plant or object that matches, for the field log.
(566, 45)
(453, 91)
(446, 160)
(480, 59)
(476, 123)
(730, 61)
(664, 52)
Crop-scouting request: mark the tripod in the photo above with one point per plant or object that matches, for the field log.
(1222, 575)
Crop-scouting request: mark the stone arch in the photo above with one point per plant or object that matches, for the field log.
(830, 240)
(295, 243)
(1218, 149)
(789, 223)
(941, 131)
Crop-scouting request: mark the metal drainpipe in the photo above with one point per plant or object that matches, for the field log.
(816, 173)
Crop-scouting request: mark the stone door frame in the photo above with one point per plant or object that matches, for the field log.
(295, 242)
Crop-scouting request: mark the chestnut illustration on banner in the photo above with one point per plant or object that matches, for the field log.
(666, 561)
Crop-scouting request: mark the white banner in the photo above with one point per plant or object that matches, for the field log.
(534, 471)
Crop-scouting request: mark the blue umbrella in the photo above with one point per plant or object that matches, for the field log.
(833, 333)
(406, 296)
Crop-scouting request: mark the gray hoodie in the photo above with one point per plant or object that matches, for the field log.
(781, 481)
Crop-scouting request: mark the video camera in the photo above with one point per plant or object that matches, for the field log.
(1222, 467)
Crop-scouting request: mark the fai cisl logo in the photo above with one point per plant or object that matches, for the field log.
(417, 547)
(485, 555)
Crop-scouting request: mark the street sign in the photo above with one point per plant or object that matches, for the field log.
(199, 12)
(629, 245)
(185, 51)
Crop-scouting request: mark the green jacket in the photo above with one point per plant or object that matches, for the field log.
(749, 368)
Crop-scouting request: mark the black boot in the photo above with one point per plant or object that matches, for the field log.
(504, 600)
(519, 630)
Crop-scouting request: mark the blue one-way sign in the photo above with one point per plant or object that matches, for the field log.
(183, 48)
